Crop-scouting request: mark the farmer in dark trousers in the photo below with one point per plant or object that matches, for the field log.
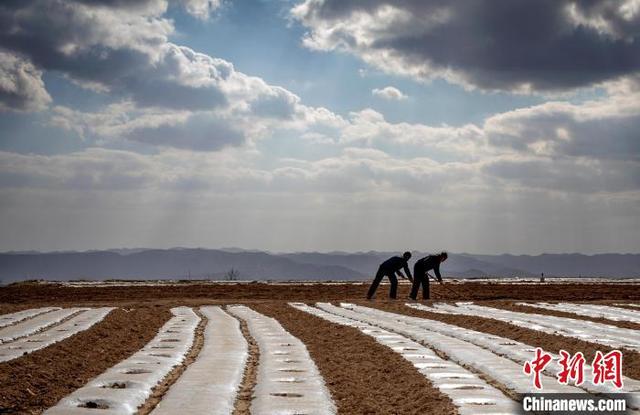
(390, 268)
(420, 269)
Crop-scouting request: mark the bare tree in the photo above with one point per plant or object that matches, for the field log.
(232, 275)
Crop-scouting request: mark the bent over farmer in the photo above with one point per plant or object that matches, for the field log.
(390, 268)
(420, 277)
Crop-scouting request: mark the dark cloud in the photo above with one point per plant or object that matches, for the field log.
(503, 44)
(599, 130)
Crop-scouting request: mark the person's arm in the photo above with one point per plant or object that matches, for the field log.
(436, 270)
(406, 270)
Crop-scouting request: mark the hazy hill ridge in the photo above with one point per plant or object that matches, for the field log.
(187, 263)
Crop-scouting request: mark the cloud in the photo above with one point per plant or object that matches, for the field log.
(231, 170)
(390, 93)
(199, 132)
(175, 98)
(202, 9)
(549, 45)
(21, 85)
(92, 169)
(600, 129)
(566, 175)
(122, 48)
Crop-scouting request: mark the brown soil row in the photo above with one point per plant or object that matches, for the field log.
(363, 376)
(242, 405)
(37, 381)
(20, 296)
(549, 342)
(534, 310)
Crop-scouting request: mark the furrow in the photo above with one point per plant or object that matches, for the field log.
(242, 405)
(125, 387)
(288, 381)
(468, 392)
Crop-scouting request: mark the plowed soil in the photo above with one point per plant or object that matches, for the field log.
(363, 376)
(34, 382)
(19, 296)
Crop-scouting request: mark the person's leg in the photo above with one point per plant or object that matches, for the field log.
(417, 276)
(425, 286)
(394, 286)
(375, 283)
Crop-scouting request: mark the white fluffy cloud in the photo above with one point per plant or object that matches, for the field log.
(202, 9)
(389, 92)
(122, 48)
(21, 85)
(585, 148)
(168, 95)
(204, 121)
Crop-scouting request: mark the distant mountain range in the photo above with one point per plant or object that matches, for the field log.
(187, 263)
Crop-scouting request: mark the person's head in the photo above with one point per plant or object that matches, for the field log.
(443, 256)
(406, 255)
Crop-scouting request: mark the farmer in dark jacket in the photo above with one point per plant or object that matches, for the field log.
(390, 268)
(420, 269)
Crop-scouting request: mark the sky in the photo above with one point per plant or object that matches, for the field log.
(502, 126)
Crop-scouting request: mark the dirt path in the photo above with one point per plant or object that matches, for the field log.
(363, 376)
(549, 342)
(32, 383)
(242, 405)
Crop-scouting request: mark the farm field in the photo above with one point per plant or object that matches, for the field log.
(313, 348)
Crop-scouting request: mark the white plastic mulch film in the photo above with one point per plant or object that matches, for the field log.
(606, 334)
(7, 319)
(288, 381)
(126, 386)
(210, 384)
(35, 324)
(470, 393)
(591, 310)
(81, 320)
(499, 368)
